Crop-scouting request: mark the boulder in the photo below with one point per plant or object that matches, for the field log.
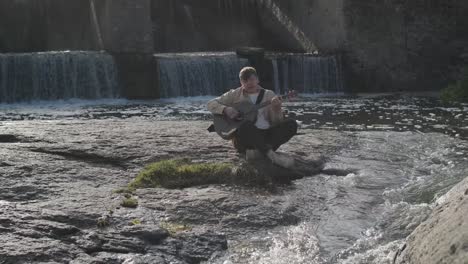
(443, 237)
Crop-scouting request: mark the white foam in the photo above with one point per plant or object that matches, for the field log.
(319, 95)
(299, 245)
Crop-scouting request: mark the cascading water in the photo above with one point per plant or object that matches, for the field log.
(196, 74)
(307, 74)
(57, 75)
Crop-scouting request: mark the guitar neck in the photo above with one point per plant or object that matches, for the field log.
(261, 105)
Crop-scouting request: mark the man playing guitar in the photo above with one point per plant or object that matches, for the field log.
(269, 131)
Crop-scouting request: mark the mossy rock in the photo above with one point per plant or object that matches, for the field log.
(135, 222)
(182, 173)
(129, 202)
(174, 228)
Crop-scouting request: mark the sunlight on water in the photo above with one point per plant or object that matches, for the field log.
(388, 182)
(290, 245)
(363, 216)
(298, 245)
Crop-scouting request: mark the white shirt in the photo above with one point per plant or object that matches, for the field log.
(262, 122)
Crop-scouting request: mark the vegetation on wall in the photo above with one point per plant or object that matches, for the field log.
(456, 92)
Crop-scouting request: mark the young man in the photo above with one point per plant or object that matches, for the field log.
(270, 130)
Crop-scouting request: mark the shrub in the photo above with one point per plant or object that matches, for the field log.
(456, 92)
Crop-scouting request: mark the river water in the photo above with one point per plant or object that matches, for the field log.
(399, 154)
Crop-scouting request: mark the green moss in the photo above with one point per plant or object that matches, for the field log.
(124, 190)
(457, 92)
(103, 221)
(129, 202)
(174, 228)
(181, 173)
(135, 222)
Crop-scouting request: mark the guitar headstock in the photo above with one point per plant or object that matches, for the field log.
(290, 95)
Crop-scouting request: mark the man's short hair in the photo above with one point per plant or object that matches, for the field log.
(247, 72)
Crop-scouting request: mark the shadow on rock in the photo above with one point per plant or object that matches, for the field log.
(263, 168)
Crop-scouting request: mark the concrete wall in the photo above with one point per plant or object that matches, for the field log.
(389, 45)
(41, 25)
(321, 20)
(407, 45)
(126, 26)
(141, 26)
(212, 25)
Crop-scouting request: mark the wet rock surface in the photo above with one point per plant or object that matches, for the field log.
(58, 198)
(443, 238)
(382, 112)
(56, 188)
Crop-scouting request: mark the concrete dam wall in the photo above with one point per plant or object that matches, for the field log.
(384, 46)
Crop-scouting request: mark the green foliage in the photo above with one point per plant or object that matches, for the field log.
(457, 92)
(181, 173)
(129, 202)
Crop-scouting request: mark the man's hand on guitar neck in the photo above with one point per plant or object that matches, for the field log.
(230, 112)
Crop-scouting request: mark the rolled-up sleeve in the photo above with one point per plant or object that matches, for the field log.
(217, 105)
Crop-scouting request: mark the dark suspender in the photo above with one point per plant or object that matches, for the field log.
(260, 96)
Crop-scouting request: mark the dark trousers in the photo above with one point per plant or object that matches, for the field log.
(248, 136)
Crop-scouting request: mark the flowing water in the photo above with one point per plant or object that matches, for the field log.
(392, 182)
(57, 75)
(93, 75)
(197, 74)
(307, 73)
(399, 154)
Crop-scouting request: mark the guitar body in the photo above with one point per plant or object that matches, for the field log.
(225, 127)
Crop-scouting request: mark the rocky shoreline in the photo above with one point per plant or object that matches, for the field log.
(59, 179)
(443, 237)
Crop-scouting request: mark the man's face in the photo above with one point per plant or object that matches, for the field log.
(250, 85)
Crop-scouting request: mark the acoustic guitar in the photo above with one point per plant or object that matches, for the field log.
(225, 126)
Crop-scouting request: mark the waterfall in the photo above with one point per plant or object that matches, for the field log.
(308, 74)
(196, 74)
(57, 75)
(276, 83)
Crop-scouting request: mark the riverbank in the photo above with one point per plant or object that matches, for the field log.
(61, 173)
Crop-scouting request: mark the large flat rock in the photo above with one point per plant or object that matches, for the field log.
(59, 179)
(443, 237)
